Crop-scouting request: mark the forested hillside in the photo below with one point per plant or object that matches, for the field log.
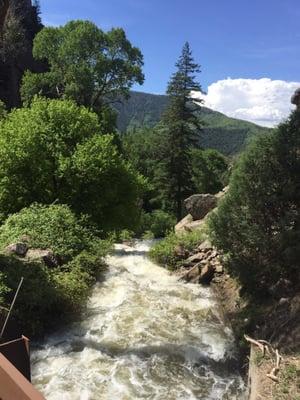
(227, 135)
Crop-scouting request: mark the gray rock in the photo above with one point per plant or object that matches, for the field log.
(205, 246)
(199, 205)
(207, 274)
(192, 274)
(283, 301)
(219, 269)
(47, 256)
(181, 226)
(20, 249)
(180, 251)
(195, 258)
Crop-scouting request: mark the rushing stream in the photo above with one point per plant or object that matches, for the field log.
(145, 336)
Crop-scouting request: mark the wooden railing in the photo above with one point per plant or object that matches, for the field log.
(13, 385)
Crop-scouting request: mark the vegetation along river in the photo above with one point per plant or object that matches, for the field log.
(144, 336)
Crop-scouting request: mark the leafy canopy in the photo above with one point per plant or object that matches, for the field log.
(258, 223)
(85, 64)
(54, 151)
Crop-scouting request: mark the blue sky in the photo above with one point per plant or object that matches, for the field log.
(248, 39)
(229, 38)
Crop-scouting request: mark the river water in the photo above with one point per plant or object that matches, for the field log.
(144, 336)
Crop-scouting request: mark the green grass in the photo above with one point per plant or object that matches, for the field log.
(288, 387)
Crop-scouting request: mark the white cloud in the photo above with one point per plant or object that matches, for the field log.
(262, 101)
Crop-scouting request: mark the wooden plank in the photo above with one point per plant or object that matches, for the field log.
(13, 385)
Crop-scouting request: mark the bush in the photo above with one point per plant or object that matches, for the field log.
(49, 295)
(166, 253)
(257, 223)
(45, 227)
(55, 151)
(158, 222)
(125, 235)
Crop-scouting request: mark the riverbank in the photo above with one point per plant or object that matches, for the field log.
(276, 321)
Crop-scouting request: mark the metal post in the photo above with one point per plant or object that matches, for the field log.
(11, 307)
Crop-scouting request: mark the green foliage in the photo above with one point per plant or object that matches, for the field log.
(125, 235)
(86, 64)
(3, 112)
(258, 222)
(49, 295)
(142, 147)
(104, 186)
(180, 128)
(158, 222)
(65, 234)
(209, 170)
(53, 151)
(148, 235)
(170, 251)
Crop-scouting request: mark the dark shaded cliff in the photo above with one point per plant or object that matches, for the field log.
(19, 23)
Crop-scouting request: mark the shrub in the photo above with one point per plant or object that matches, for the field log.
(55, 151)
(45, 227)
(257, 224)
(166, 253)
(49, 295)
(158, 222)
(125, 235)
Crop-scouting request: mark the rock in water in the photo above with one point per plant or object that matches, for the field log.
(207, 274)
(199, 205)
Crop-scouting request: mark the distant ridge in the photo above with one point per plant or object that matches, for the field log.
(227, 135)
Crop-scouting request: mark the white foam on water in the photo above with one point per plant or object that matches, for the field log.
(145, 336)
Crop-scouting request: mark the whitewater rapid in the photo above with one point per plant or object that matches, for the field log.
(145, 335)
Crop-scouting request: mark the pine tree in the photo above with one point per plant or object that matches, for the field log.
(180, 127)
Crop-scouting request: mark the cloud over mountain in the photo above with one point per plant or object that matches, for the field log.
(262, 101)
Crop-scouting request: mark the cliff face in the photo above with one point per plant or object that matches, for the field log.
(19, 23)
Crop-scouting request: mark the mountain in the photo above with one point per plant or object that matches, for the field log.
(227, 135)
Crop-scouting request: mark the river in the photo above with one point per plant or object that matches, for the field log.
(144, 336)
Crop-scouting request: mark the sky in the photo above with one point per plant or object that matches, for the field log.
(249, 50)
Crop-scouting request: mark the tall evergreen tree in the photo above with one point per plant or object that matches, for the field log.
(181, 127)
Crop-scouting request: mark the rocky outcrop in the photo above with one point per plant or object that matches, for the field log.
(47, 256)
(202, 265)
(199, 205)
(19, 249)
(183, 224)
(187, 224)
